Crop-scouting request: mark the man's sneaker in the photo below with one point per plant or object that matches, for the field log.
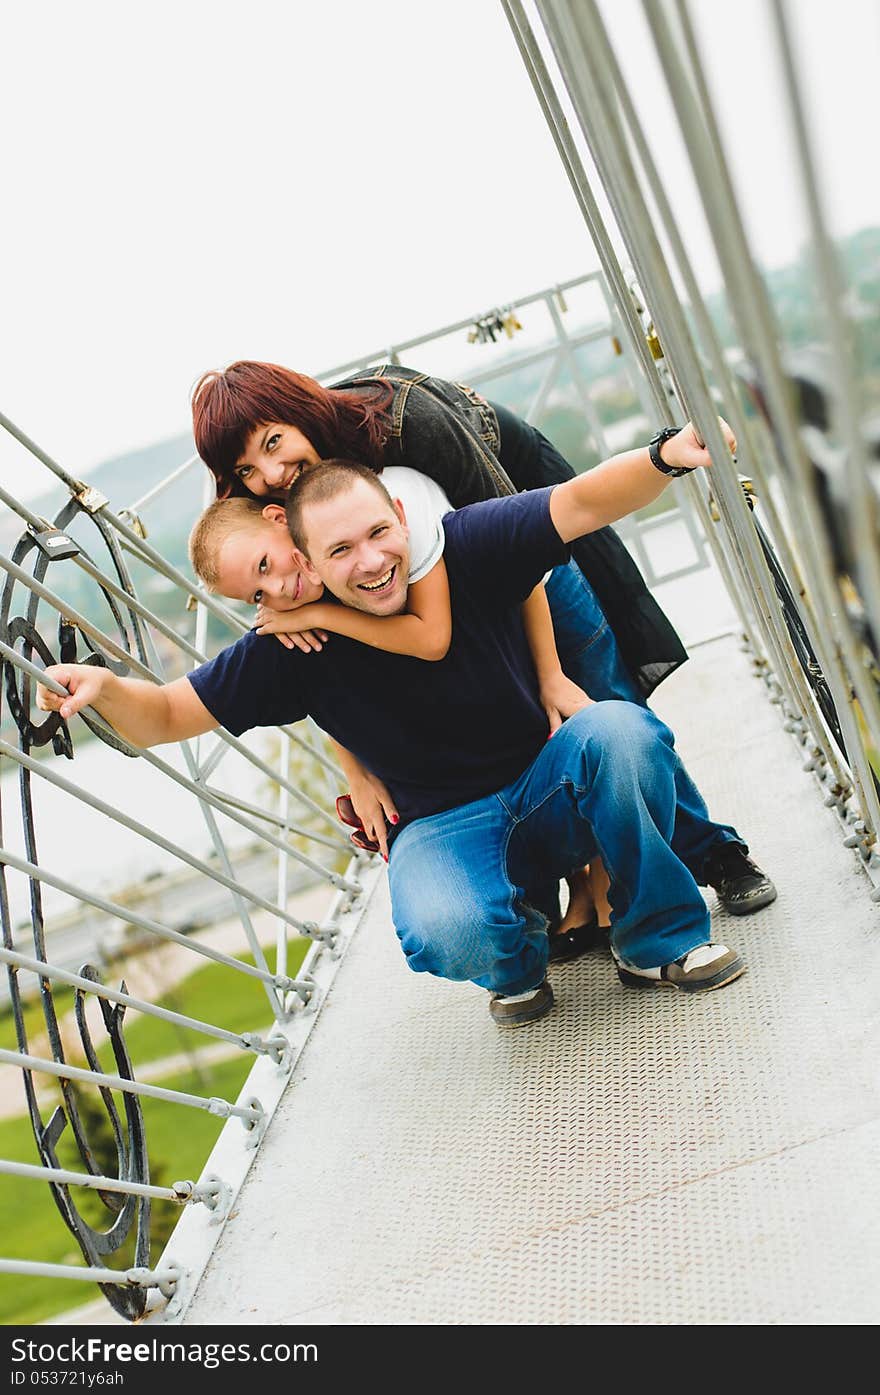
(707, 966)
(520, 1008)
(741, 885)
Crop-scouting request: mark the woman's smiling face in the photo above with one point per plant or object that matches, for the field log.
(274, 455)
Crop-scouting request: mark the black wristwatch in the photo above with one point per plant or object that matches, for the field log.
(656, 459)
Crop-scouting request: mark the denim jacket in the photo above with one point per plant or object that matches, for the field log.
(448, 431)
(445, 429)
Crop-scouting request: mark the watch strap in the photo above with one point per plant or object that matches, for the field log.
(657, 460)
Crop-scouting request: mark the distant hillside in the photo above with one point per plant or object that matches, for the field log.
(124, 479)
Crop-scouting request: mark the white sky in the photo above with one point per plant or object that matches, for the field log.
(193, 181)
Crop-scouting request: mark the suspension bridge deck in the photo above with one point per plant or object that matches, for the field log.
(634, 1158)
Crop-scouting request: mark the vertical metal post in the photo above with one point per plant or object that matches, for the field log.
(553, 113)
(615, 289)
(578, 40)
(862, 509)
(751, 310)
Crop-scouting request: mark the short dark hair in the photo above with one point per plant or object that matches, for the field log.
(324, 481)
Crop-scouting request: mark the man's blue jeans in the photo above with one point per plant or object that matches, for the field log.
(609, 782)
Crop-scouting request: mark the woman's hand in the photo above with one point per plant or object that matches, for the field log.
(293, 628)
(560, 698)
(373, 806)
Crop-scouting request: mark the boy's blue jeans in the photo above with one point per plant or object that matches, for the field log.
(609, 782)
(589, 656)
(585, 641)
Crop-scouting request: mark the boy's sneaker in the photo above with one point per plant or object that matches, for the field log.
(740, 884)
(520, 1008)
(707, 966)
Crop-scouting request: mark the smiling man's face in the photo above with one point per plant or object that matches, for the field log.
(259, 564)
(358, 545)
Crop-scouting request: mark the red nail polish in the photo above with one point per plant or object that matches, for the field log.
(395, 818)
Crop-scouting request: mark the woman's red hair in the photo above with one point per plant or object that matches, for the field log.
(228, 406)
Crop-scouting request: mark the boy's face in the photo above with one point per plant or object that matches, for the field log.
(258, 564)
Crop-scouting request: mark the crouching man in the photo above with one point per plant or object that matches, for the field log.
(487, 805)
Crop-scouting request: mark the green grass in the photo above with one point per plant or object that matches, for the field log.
(211, 994)
(34, 1021)
(179, 1138)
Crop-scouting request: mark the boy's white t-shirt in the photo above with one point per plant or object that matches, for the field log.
(424, 504)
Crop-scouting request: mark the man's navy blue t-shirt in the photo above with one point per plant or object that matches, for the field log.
(439, 734)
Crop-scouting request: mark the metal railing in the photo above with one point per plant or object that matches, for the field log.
(834, 597)
(565, 380)
(40, 624)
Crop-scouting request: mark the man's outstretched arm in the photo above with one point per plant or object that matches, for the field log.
(624, 483)
(144, 714)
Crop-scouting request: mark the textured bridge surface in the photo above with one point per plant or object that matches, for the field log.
(632, 1158)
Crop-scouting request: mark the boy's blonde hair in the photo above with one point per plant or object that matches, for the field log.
(213, 527)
